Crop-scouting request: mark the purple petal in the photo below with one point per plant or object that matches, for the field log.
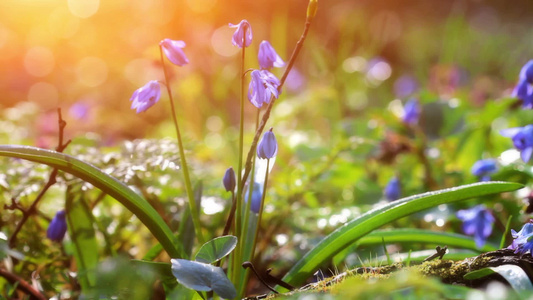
(526, 154)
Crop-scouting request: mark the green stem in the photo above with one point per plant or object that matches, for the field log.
(238, 218)
(188, 186)
(257, 228)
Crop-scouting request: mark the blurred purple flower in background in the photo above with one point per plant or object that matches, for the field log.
(295, 80)
(411, 112)
(57, 227)
(478, 222)
(174, 51)
(393, 190)
(483, 168)
(522, 140)
(268, 58)
(521, 243)
(80, 110)
(243, 32)
(229, 180)
(262, 86)
(257, 194)
(146, 96)
(405, 86)
(268, 146)
(524, 90)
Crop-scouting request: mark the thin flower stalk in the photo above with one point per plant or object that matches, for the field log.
(185, 167)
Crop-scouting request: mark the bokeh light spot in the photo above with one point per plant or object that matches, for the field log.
(45, 94)
(91, 71)
(62, 24)
(139, 71)
(201, 6)
(83, 8)
(221, 41)
(39, 61)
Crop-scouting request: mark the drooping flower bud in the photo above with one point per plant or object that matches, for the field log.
(57, 227)
(262, 86)
(146, 96)
(243, 35)
(268, 146)
(174, 51)
(393, 190)
(229, 180)
(478, 222)
(268, 57)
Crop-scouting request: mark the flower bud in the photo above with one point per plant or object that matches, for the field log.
(229, 180)
(268, 146)
(57, 227)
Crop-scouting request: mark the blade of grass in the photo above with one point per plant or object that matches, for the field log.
(506, 232)
(108, 184)
(366, 223)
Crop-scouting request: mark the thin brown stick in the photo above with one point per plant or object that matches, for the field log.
(23, 285)
(26, 214)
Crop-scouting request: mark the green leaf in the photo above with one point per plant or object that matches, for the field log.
(162, 269)
(216, 249)
(366, 223)
(108, 184)
(203, 277)
(515, 275)
(82, 234)
(423, 236)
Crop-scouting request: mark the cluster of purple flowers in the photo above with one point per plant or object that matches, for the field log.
(263, 85)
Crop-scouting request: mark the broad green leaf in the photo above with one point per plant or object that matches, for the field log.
(515, 275)
(216, 249)
(108, 184)
(203, 277)
(366, 223)
(82, 234)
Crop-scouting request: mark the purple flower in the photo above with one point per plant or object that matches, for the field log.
(526, 73)
(257, 194)
(405, 85)
(229, 180)
(524, 90)
(174, 51)
(268, 58)
(243, 34)
(411, 112)
(393, 190)
(523, 241)
(483, 168)
(522, 139)
(268, 146)
(57, 227)
(478, 222)
(80, 110)
(262, 86)
(146, 96)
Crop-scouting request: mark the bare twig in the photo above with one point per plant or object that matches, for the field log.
(26, 214)
(23, 285)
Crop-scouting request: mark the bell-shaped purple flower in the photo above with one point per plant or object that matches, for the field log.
(174, 51)
(262, 86)
(146, 96)
(393, 190)
(257, 195)
(268, 58)
(522, 139)
(483, 168)
(229, 180)
(57, 227)
(523, 240)
(411, 112)
(526, 73)
(243, 35)
(268, 146)
(524, 91)
(478, 222)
